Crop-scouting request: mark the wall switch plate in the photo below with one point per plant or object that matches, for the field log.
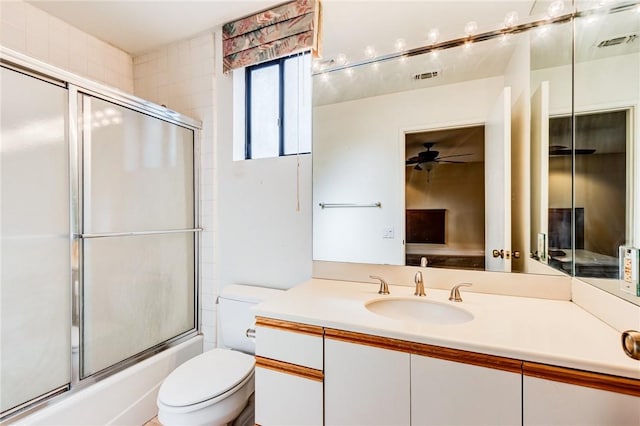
(629, 269)
(388, 232)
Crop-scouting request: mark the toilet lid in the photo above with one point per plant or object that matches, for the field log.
(205, 376)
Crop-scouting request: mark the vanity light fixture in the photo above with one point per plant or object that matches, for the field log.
(555, 8)
(400, 45)
(510, 19)
(432, 45)
(369, 52)
(433, 36)
(470, 28)
(341, 59)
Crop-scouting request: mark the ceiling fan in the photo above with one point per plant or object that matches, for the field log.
(430, 156)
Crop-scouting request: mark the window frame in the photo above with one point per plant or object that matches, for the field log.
(280, 63)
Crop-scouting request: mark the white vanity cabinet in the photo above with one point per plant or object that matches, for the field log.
(365, 385)
(445, 392)
(288, 376)
(559, 396)
(310, 375)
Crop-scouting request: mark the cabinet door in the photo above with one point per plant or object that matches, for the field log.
(287, 399)
(452, 393)
(547, 402)
(365, 385)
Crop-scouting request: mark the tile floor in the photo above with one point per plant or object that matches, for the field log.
(153, 422)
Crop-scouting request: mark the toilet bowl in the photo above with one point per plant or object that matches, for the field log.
(210, 389)
(214, 387)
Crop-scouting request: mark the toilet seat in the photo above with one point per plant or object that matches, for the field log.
(206, 379)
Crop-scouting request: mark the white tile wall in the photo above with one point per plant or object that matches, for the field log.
(181, 76)
(29, 30)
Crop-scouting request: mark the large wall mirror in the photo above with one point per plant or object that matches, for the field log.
(474, 155)
(585, 204)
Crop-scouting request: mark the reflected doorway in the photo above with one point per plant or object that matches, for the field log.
(445, 197)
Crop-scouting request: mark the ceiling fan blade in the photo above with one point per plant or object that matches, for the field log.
(456, 155)
(451, 161)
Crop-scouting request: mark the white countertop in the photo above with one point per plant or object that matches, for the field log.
(546, 331)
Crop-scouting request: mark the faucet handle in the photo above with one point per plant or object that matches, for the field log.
(384, 288)
(454, 296)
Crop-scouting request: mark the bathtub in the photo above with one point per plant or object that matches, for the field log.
(125, 398)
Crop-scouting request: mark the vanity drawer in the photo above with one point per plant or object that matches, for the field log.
(294, 343)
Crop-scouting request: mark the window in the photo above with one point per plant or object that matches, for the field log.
(278, 107)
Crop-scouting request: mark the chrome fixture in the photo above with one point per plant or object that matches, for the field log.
(347, 205)
(631, 343)
(419, 284)
(384, 288)
(455, 292)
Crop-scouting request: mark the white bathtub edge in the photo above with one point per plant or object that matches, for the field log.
(128, 397)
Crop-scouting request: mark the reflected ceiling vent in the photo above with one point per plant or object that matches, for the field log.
(630, 38)
(426, 75)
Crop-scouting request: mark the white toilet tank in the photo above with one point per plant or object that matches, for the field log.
(236, 316)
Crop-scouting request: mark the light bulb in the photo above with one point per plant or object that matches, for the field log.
(316, 65)
(510, 19)
(400, 45)
(433, 36)
(555, 8)
(470, 27)
(369, 52)
(341, 59)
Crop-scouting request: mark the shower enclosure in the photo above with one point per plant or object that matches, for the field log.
(99, 232)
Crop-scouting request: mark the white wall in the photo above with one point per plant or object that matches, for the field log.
(359, 157)
(33, 32)
(261, 236)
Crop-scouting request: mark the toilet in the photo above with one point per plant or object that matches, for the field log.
(215, 387)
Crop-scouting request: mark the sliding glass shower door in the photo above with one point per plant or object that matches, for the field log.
(99, 234)
(35, 291)
(137, 231)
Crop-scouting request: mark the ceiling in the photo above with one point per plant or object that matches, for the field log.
(137, 26)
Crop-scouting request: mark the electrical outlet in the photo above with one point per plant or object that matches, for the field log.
(629, 269)
(388, 232)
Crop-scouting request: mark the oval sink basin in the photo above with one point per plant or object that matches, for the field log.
(420, 311)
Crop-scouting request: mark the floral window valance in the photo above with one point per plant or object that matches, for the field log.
(280, 31)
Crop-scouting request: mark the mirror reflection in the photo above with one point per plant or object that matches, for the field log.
(544, 137)
(388, 132)
(445, 226)
(606, 98)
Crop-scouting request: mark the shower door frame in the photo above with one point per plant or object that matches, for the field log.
(76, 87)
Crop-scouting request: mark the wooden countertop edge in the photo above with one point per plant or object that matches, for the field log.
(617, 384)
(440, 352)
(295, 327)
(287, 368)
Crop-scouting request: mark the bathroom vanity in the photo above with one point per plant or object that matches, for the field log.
(323, 356)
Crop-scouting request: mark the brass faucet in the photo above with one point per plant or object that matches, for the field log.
(455, 292)
(419, 284)
(384, 288)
